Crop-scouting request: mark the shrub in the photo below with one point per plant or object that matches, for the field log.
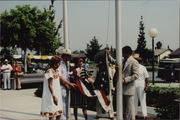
(149, 68)
(39, 91)
(164, 99)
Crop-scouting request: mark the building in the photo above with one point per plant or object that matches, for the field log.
(161, 54)
(175, 54)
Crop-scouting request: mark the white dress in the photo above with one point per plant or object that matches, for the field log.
(48, 108)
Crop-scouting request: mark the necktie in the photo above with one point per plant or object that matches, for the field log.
(124, 62)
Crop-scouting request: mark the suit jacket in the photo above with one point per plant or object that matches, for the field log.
(130, 74)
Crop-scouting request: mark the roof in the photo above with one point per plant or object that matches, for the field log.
(175, 54)
(158, 52)
(78, 55)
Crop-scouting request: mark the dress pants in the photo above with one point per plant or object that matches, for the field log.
(128, 105)
(7, 80)
(141, 95)
(66, 105)
(18, 82)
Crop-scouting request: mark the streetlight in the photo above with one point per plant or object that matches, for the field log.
(153, 33)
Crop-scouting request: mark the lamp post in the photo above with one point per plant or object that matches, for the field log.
(153, 33)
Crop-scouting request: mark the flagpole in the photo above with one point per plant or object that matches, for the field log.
(119, 97)
(66, 45)
(65, 25)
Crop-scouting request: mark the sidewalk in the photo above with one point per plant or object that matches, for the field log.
(23, 105)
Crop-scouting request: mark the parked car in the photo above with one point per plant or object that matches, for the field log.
(169, 70)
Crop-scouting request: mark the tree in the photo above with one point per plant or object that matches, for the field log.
(141, 47)
(141, 40)
(29, 28)
(158, 45)
(93, 48)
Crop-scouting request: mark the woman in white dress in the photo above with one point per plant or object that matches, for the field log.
(52, 99)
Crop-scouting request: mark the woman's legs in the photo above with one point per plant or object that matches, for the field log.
(84, 110)
(50, 118)
(75, 113)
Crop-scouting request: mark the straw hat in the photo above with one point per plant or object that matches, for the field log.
(5, 60)
(66, 52)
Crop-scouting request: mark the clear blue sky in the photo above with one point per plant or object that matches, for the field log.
(90, 18)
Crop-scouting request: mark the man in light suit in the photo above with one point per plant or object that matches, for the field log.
(130, 74)
(64, 72)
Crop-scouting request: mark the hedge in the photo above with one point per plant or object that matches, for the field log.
(165, 100)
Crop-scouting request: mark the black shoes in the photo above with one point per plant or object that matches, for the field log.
(140, 118)
(97, 117)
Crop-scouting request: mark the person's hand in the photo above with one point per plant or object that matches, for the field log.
(123, 80)
(106, 51)
(146, 89)
(67, 86)
(55, 100)
(73, 85)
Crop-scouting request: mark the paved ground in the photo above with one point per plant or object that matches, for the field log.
(23, 105)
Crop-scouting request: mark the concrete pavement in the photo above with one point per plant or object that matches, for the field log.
(23, 105)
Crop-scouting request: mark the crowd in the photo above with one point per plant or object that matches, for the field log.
(63, 88)
(7, 71)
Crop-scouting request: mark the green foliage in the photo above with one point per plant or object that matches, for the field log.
(93, 48)
(141, 49)
(29, 28)
(164, 100)
(149, 68)
(141, 40)
(39, 91)
(158, 45)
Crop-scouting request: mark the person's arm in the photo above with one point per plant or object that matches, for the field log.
(135, 73)
(146, 84)
(67, 83)
(10, 67)
(3, 69)
(50, 85)
(92, 78)
(19, 69)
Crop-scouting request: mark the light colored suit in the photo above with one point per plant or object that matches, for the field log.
(130, 74)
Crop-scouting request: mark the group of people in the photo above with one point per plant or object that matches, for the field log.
(58, 81)
(135, 85)
(7, 71)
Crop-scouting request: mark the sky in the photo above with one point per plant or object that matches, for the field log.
(89, 18)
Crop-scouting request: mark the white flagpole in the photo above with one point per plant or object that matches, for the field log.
(65, 24)
(66, 45)
(119, 97)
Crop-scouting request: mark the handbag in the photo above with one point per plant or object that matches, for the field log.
(20, 73)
